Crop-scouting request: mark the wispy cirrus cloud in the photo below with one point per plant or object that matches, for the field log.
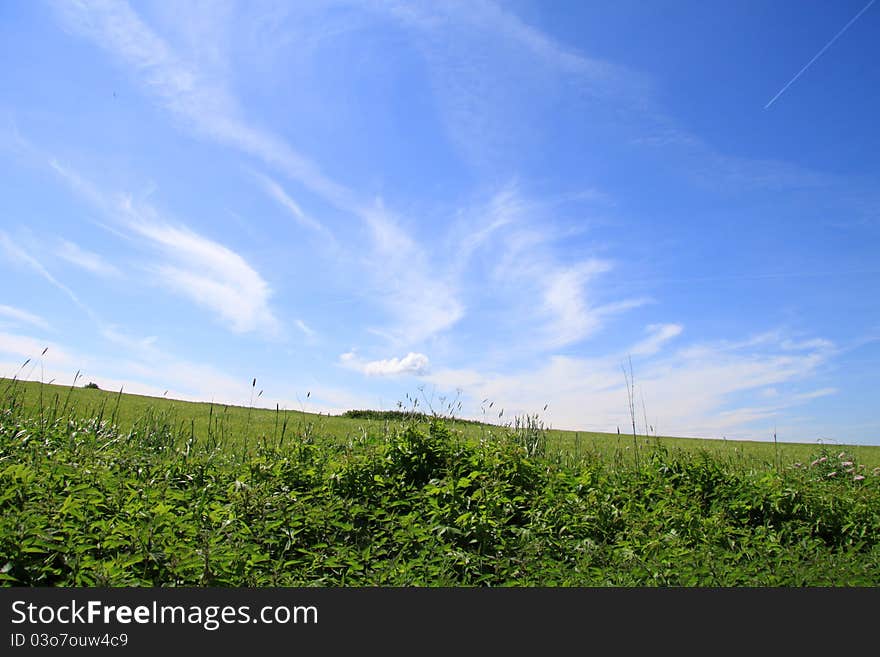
(412, 364)
(484, 59)
(307, 330)
(524, 281)
(206, 272)
(659, 335)
(491, 73)
(106, 330)
(16, 253)
(277, 192)
(138, 345)
(421, 303)
(805, 345)
(18, 315)
(422, 299)
(137, 367)
(573, 317)
(182, 87)
(88, 260)
(708, 390)
(556, 302)
(209, 274)
(21, 347)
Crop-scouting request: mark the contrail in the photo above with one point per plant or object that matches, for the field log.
(819, 54)
(756, 276)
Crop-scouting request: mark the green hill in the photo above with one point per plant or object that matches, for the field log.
(244, 427)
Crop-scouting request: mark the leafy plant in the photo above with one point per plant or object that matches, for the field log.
(84, 502)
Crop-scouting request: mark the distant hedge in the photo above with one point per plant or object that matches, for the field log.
(399, 415)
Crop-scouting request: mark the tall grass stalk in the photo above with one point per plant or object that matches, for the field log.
(630, 393)
(115, 416)
(776, 450)
(250, 409)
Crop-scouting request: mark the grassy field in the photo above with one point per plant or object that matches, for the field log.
(100, 489)
(238, 427)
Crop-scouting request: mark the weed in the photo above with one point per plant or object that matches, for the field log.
(175, 498)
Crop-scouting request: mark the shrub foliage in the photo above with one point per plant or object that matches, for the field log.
(82, 504)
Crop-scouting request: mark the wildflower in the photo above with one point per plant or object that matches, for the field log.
(846, 463)
(798, 465)
(841, 455)
(831, 474)
(858, 477)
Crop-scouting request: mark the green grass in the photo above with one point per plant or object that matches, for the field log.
(240, 426)
(161, 493)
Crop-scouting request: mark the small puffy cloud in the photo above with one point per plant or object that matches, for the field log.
(413, 363)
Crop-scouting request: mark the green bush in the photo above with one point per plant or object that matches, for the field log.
(82, 504)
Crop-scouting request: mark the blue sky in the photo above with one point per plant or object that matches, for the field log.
(360, 203)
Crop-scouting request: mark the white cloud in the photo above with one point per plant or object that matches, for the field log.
(660, 334)
(706, 392)
(492, 17)
(322, 399)
(19, 315)
(277, 192)
(144, 346)
(22, 347)
(187, 380)
(77, 183)
(573, 318)
(184, 89)
(412, 364)
(138, 367)
(483, 61)
(422, 300)
(15, 253)
(815, 394)
(212, 276)
(569, 310)
(305, 328)
(208, 273)
(804, 345)
(87, 260)
(505, 208)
